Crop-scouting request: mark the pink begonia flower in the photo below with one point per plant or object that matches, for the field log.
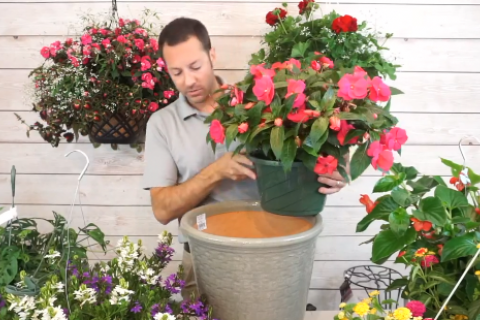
(326, 165)
(264, 89)
(299, 114)
(146, 63)
(121, 39)
(243, 127)
(140, 44)
(153, 106)
(345, 128)
(429, 261)
(335, 124)
(315, 65)
(379, 90)
(381, 157)
(417, 308)
(45, 52)
(217, 131)
(327, 62)
(237, 98)
(106, 43)
(259, 71)
(168, 94)
(86, 39)
(394, 139)
(353, 86)
(296, 87)
(154, 44)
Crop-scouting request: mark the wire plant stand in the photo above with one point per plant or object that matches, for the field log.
(373, 277)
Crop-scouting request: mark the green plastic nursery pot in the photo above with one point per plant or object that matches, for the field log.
(293, 193)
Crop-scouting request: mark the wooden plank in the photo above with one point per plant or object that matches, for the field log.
(424, 92)
(140, 221)
(424, 129)
(328, 248)
(437, 21)
(127, 161)
(124, 190)
(292, 2)
(422, 55)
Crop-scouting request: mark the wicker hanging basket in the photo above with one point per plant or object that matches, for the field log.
(118, 129)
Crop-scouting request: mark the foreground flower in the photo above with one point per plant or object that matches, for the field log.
(274, 15)
(381, 157)
(421, 252)
(417, 308)
(361, 308)
(368, 203)
(379, 90)
(303, 6)
(402, 314)
(421, 225)
(353, 86)
(264, 89)
(296, 87)
(326, 165)
(429, 261)
(394, 139)
(164, 316)
(217, 131)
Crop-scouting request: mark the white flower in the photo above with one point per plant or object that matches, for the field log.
(163, 237)
(119, 294)
(24, 307)
(85, 295)
(52, 256)
(164, 316)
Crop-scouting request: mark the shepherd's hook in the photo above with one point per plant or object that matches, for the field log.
(86, 165)
(461, 149)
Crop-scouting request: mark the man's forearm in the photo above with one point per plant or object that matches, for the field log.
(171, 203)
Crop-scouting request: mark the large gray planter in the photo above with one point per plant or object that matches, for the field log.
(252, 279)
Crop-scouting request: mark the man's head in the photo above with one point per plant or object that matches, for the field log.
(186, 49)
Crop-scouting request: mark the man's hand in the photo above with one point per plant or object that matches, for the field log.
(233, 167)
(335, 181)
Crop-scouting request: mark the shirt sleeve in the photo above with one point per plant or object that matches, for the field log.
(160, 169)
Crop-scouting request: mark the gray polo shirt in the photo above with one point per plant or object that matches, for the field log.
(176, 150)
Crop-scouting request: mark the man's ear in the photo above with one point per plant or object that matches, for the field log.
(213, 55)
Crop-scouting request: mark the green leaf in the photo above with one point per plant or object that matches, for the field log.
(351, 116)
(441, 276)
(402, 197)
(382, 210)
(431, 209)
(410, 172)
(289, 152)
(319, 132)
(399, 221)
(276, 141)
(423, 185)
(231, 134)
(328, 100)
(387, 183)
(395, 91)
(474, 309)
(451, 198)
(397, 284)
(298, 50)
(459, 247)
(387, 243)
(359, 162)
(255, 114)
(281, 84)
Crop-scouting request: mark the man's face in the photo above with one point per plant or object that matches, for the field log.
(190, 68)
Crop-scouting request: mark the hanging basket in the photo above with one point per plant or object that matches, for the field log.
(118, 129)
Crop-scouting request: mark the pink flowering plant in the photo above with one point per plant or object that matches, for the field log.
(114, 67)
(290, 112)
(133, 286)
(433, 226)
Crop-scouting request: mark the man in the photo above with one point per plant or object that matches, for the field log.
(182, 171)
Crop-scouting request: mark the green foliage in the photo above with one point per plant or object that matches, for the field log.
(436, 230)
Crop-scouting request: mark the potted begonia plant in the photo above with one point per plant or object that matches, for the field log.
(301, 109)
(432, 227)
(104, 84)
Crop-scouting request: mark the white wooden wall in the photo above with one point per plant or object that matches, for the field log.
(436, 41)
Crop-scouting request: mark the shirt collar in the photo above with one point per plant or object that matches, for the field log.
(186, 110)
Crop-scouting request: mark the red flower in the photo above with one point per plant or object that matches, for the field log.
(243, 127)
(45, 52)
(326, 164)
(272, 16)
(217, 131)
(381, 156)
(153, 106)
(345, 127)
(345, 24)
(421, 225)
(368, 203)
(401, 254)
(303, 5)
(440, 249)
(394, 139)
(315, 65)
(417, 308)
(428, 261)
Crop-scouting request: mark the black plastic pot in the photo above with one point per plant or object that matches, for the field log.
(292, 194)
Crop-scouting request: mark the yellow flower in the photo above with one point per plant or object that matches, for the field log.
(342, 305)
(374, 293)
(402, 314)
(367, 300)
(459, 317)
(389, 316)
(477, 273)
(421, 252)
(417, 318)
(361, 308)
(341, 315)
(478, 246)
(373, 311)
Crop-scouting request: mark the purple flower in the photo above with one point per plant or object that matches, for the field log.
(2, 302)
(168, 309)
(197, 307)
(164, 252)
(155, 309)
(107, 279)
(184, 307)
(137, 308)
(173, 284)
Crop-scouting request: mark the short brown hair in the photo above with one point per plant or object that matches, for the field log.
(180, 30)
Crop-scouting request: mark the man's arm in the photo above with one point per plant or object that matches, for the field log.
(170, 203)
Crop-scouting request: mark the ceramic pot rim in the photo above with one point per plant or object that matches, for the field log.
(189, 220)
